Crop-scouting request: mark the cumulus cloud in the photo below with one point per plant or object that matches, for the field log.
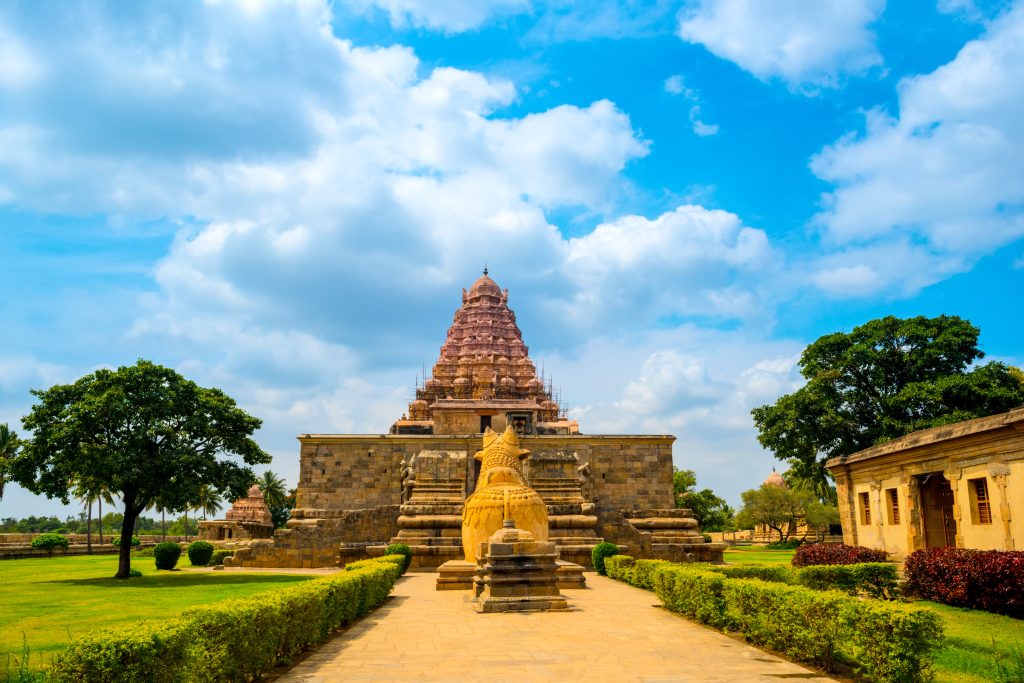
(808, 45)
(936, 185)
(451, 16)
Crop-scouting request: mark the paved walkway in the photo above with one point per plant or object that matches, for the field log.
(614, 633)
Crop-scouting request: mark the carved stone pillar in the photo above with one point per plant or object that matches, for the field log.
(847, 508)
(954, 474)
(876, 497)
(915, 520)
(1000, 474)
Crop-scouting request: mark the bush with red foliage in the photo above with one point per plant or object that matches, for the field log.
(836, 553)
(990, 580)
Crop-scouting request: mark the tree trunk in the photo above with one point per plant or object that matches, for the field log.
(186, 525)
(163, 523)
(101, 518)
(124, 560)
(88, 529)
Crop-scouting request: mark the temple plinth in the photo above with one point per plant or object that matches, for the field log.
(518, 574)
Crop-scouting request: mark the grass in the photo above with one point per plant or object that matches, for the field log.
(977, 643)
(980, 647)
(48, 602)
(759, 555)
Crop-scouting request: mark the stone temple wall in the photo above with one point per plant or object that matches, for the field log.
(350, 472)
(349, 496)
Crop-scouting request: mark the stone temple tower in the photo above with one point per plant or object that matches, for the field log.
(484, 376)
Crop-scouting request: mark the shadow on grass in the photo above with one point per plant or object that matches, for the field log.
(176, 581)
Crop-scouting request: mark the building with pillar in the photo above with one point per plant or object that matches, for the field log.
(957, 485)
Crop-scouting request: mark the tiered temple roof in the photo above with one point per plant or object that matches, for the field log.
(250, 509)
(483, 360)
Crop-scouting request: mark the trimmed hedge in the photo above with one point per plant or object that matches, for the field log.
(600, 552)
(231, 640)
(396, 559)
(875, 579)
(218, 557)
(166, 555)
(403, 550)
(199, 553)
(836, 553)
(884, 641)
(990, 580)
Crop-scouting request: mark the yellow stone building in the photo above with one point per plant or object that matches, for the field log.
(956, 485)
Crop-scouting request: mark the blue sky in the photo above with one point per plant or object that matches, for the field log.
(285, 199)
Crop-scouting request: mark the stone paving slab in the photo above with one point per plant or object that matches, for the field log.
(615, 632)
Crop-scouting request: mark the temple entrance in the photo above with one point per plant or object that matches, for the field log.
(937, 509)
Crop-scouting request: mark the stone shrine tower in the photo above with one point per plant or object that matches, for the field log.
(484, 377)
(359, 492)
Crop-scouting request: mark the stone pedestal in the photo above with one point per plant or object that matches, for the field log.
(458, 575)
(518, 574)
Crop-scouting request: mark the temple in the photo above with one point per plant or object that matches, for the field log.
(358, 493)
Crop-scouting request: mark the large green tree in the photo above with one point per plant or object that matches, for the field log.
(275, 495)
(711, 512)
(9, 444)
(781, 509)
(145, 433)
(886, 378)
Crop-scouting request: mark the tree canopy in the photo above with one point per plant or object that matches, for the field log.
(885, 379)
(143, 432)
(711, 512)
(9, 444)
(781, 509)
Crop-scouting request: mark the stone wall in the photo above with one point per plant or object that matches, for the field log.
(350, 472)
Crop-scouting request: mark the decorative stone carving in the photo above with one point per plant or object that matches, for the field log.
(501, 493)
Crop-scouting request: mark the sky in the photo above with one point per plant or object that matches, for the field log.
(285, 199)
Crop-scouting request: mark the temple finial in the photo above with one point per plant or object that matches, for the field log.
(485, 269)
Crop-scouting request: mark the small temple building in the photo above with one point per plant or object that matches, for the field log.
(359, 492)
(248, 518)
(956, 485)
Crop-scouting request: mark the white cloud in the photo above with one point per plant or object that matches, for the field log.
(807, 45)
(18, 67)
(676, 85)
(938, 184)
(451, 16)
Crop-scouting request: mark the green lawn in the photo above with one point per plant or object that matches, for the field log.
(52, 601)
(759, 554)
(976, 642)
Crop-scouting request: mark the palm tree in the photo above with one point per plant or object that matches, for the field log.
(86, 497)
(273, 487)
(88, 493)
(9, 444)
(209, 501)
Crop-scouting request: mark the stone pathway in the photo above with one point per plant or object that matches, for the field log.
(614, 633)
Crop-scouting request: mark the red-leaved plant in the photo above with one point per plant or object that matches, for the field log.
(836, 553)
(990, 580)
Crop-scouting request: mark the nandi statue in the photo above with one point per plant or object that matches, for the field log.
(501, 493)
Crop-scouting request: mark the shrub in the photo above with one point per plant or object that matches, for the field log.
(836, 553)
(876, 579)
(619, 567)
(116, 540)
(199, 553)
(774, 574)
(601, 551)
(788, 544)
(885, 641)
(403, 550)
(218, 557)
(50, 542)
(166, 555)
(396, 559)
(234, 640)
(990, 580)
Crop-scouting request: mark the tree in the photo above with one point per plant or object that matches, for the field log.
(209, 500)
(280, 514)
(776, 507)
(885, 379)
(711, 512)
(144, 432)
(9, 444)
(273, 488)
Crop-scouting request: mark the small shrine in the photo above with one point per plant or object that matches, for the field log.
(247, 519)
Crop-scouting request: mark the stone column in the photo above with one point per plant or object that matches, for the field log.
(953, 474)
(915, 519)
(876, 496)
(847, 507)
(1000, 474)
